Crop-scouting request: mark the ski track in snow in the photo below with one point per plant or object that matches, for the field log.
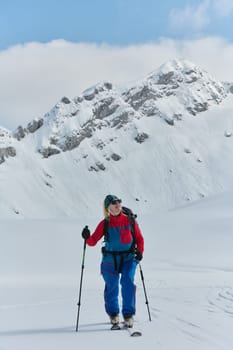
(222, 301)
(197, 317)
(192, 317)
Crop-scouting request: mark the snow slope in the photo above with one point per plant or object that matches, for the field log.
(188, 269)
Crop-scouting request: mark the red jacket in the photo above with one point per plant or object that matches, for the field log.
(120, 223)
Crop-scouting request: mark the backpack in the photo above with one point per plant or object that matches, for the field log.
(132, 217)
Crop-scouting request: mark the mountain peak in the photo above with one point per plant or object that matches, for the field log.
(175, 89)
(178, 71)
(178, 65)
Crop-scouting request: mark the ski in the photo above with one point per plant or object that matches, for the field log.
(133, 332)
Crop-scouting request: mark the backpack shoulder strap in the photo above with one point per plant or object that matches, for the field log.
(132, 218)
(106, 224)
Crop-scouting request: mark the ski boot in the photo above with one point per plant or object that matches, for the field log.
(128, 321)
(114, 319)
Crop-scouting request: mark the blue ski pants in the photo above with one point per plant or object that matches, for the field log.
(112, 280)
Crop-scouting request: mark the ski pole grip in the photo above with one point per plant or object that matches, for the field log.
(86, 233)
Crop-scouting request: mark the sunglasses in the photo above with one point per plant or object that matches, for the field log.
(115, 201)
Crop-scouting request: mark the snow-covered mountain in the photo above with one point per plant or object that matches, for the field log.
(165, 139)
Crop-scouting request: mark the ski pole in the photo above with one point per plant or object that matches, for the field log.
(81, 282)
(143, 283)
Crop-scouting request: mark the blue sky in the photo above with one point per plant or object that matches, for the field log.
(116, 22)
(55, 48)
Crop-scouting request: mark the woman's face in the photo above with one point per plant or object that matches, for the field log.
(115, 207)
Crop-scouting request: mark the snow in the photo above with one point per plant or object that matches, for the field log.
(187, 266)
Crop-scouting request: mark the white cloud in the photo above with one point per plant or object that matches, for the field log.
(195, 18)
(191, 17)
(35, 76)
(223, 8)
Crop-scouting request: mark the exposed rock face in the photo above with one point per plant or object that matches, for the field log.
(7, 147)
(6, 152)
(65, 100)
(19, 133)
(115, 156)
(167, 78)
(105, 108)
(137, 98)
(141, 137)
(91, 93)
(121, 119)
(49, 151)
(33, 126)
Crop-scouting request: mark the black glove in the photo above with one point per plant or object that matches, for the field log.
(86, 233)
(138, 256)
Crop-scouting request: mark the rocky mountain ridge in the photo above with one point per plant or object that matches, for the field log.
(165, 139)
(178, 89)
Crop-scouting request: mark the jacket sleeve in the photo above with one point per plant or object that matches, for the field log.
(97, 234)
(139, 238)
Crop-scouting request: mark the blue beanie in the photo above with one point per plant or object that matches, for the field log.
(108, 199)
